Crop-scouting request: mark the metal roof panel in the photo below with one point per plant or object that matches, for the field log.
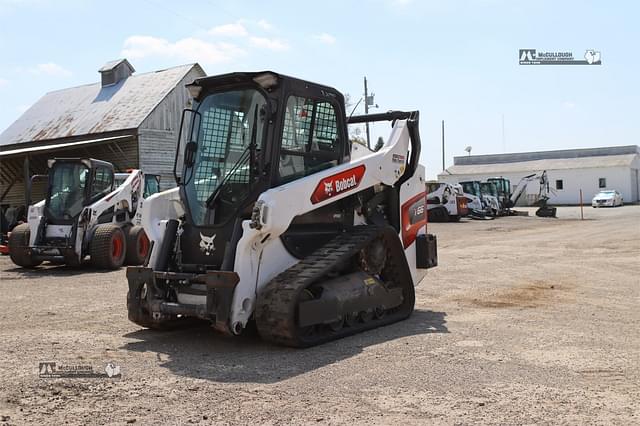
(548, 164)
(93, 109)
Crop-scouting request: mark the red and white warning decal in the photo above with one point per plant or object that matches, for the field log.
(337, 184)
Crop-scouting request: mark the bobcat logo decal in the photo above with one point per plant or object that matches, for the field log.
(328, 188)
(206, 244)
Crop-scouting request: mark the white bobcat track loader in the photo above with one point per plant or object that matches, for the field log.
(275, 221)
(445, 202)
(84, 214)
(479, 207)
(489, 193)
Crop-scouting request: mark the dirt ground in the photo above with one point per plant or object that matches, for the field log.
(525, 321)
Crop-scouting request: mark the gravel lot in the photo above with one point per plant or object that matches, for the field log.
(526, 320)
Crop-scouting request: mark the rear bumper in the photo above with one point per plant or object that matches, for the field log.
(52, 253)
(216, 286)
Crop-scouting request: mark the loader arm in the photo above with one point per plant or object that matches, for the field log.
(118, 207)
(386, 166)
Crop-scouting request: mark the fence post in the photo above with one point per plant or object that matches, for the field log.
(581, 209)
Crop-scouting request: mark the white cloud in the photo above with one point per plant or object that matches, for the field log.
(265, 25)
(269, 43)
(229, 30)
(188, 49)
(51, 69)
(568, 105)
(325, 38)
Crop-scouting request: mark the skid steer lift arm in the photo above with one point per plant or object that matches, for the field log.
(413, 126)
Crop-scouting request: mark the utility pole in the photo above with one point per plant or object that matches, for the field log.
(442, 145)
(366, 108)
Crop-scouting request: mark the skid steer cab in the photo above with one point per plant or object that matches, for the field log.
(85, 213)
(279, 220)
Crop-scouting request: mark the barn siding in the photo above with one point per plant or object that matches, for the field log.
(158, 133)
(157, 153)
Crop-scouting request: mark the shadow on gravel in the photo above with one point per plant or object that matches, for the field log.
(48, 270)
(204, 354)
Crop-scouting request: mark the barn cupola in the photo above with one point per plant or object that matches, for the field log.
(115, 71)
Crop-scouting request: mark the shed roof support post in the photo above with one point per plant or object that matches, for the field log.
(27, 183)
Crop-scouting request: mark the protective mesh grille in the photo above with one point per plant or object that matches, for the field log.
(214, 131)
(325, 128)
(297, 124)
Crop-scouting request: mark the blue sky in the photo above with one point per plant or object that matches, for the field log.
(453, 60)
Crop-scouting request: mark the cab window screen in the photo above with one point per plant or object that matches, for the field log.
(310, 140)
(102, 183)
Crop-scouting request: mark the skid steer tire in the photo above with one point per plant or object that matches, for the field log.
(19, 247)
(137, 245)
(108, 247)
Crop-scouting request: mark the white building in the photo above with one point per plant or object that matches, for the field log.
(569, 171)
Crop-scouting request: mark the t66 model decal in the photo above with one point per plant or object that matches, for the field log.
(414, 217)
(337, 184)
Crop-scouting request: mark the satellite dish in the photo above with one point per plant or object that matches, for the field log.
(468, 149)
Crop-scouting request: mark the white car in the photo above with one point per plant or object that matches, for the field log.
(608, 198)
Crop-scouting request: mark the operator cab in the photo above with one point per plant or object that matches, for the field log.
(503, 187)
(488, 188)
(471, 187)
(248, 132)
(433, 186)
(73, 185)
(151, 182)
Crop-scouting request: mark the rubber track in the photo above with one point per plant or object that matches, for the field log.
(277, 303)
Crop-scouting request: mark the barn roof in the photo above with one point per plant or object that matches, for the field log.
(624, 160)
(93, 109)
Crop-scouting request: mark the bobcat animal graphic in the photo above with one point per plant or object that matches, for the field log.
(328, 187)
(206, 244)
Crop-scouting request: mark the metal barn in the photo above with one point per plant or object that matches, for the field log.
(130, 120)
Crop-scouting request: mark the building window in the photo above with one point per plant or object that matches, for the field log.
(559, 184)
(602, 183)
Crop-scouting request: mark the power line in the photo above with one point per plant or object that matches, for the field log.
(177, 14)
(229, 14)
